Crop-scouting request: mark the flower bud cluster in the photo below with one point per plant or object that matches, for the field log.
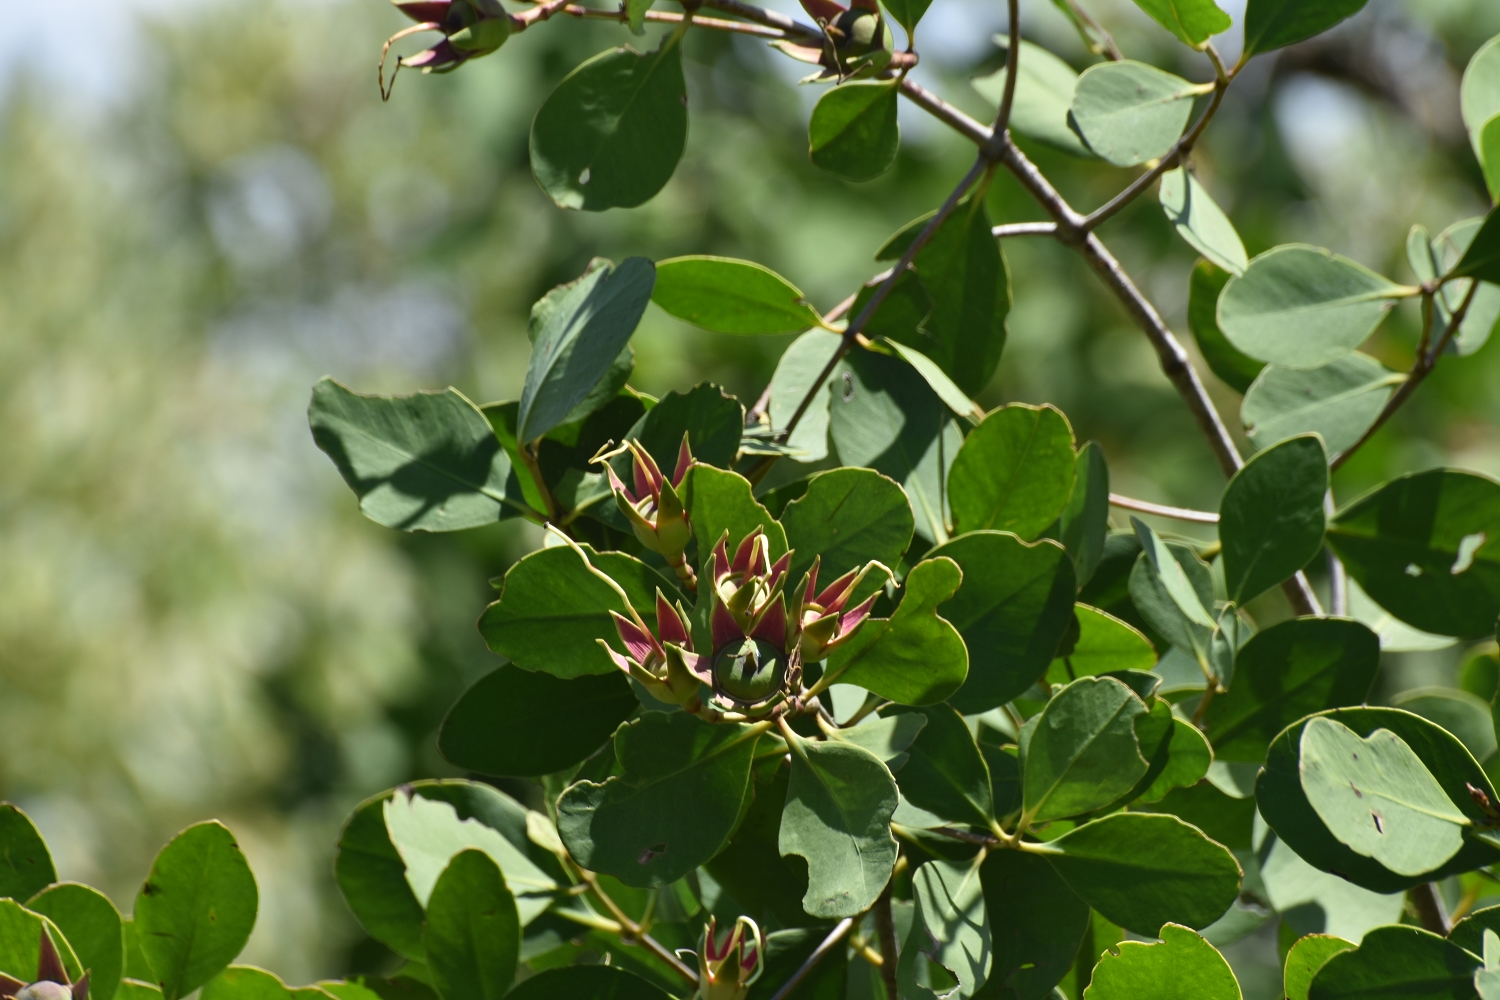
(470, 29)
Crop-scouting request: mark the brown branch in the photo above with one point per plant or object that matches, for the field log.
(769, 18)
(665, 17)
(1012, 60)
(885, 930)
(634, 930)
(1161, 510)
(836, 935)
(1429, 908)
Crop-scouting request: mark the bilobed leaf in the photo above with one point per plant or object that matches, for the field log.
(1032, 947)
(945, 774)
(1302, 306)
(425, 462)
(800, 364)
(25, 863)
(1043, 97)
(1012, 609)
(847, 517)
(1398, 962)
(950, 927)
(473, 933)
(1479, 94)
(838, 814)
(1289, 671)
(1271, 516)
(853, 130)
(634, 825)
(1197, 219)
(427, 832)
(195, 911)
(1274, 24)
(1193, 21)
(884, 416)
(1014, 472)
(1084, 522)
(583, 327)
(529, 723)
(1181, 966)
(1338, 401)
(1142, 870)
(1280, 797)
(1482, 259)
(1235, 368)
(731, 296)
(1083, 753)
(1305, 958)
(611, 133)
(1375, 795)
(915, 657)
(1104, 645)
(1427, 548)
(93, 928)
(1129, 112)
(587, 982)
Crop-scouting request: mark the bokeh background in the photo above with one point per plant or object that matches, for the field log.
(204, 206)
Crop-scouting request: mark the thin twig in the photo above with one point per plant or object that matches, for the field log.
(1024, 229)
(666, 17)
(634, 930)
(1338, 577)
(885, 930)
(836, 935)
(769, 18)
(1429, 907)
(1161, 510)
(541, 12)
(1012, 60)
(952, 833)
(1105, 46)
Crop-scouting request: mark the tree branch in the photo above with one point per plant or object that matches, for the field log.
(1012, 60)
(665, 17)
(836, 935)
(1429, 907)
(885, 930)
(1024, 229)
(769, 18)
(1160, 510)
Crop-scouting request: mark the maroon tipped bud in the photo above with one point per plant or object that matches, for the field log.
(723, 627)
(772, 625)
(823, 10)
(424, 10)
(49, 964)
(669, 626)
(441, 55)
(684, 461)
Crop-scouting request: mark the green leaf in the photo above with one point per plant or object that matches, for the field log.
(908, 12)
(1489, 155)
(246, 982)
(801, 363)
(752, 870)
(1193, 21)
(1282, 802)
(1181, 966)
(950, 926)
(1274, 24)
(1084, 522)
(886, 738)
(195, 911)
(473, 933)
(853, 131)
(1289, 671)
(586, 982)
(136, 966)
(20, 940)
(1044, 920)
(1234, 368)
(952, 396)
(25, 864)
(1105, 645)
(1271, 516)
(92, 926)
(1167, 597)
(885, 417)
(1181, 761)
(1013, 607)
(838, 817)
(425, 462)
(1043, 97)
(945, 774)
(1304, 960)
(1376, 797)
(731, 296)
(1459, 712)
(1198, 220)
(516, 722)
(719, 501)
(427, 832)
(1014, 472)
(915, 657)
(1142, 870)
(580, 329)
(1468, 933)
(131, 989)
(1303, 306)
(1129, 112)
(612, 132)
(1402, 963)
(847, 517)
(1482, 259)
(1083, 753)
(1447, 250)
(1338, 401)
(552, 609)
(786, 951)
(1479, 94)
(634, 825)
(1427, 548)
(373, 877)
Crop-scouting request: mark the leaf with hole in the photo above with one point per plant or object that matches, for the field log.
(1303, 307)
(950, 927)
(1271, 516)
(853, 131)
(731, 296)
(611, 133)
(1129, 112)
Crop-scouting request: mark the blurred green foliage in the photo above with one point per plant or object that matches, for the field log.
(194, 618)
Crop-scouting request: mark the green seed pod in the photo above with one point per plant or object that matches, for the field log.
(749, 671)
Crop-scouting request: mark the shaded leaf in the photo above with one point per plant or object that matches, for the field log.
(1447, 249)
(1461, 713)
(1014, 472)
(1195, 216)
(731, 296)
(1043, 97)
(1271, 516)
(950, 927)
(1104, 645)
(1083, 752)
(1084, 522)
(1482, 259)
(25, 863)
(473, 933)
(800, 364)
(915, 657)
(853, 131)
(1397, 962)
(587, 982)
(945, 774)
(1304, 960)
(1233, 367)
(1274, 24)
(1034, 943)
